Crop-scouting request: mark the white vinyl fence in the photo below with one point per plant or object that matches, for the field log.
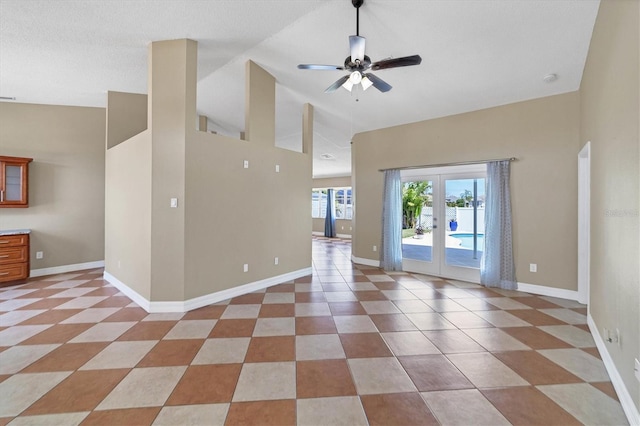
(464, 216)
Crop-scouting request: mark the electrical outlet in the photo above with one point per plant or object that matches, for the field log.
(636, 369)
(246, 164)
(533, 267)
(246, 267)
(39, 255)
(277, 168)
(275, 261)
(375, 248)
(611, 336)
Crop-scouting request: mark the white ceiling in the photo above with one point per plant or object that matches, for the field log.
(475, 54)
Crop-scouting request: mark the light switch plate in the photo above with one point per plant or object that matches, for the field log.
(174, 203)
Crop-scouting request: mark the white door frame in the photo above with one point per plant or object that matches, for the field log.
(584, 223)
(456, 272)
(437, 266)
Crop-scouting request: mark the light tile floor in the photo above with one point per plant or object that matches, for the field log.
(348, 345)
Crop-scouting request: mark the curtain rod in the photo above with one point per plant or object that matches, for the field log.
(462, 163)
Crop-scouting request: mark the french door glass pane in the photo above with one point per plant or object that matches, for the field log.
(417, 220)
(464, 221)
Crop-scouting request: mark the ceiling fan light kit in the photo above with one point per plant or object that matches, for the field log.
(358, 64)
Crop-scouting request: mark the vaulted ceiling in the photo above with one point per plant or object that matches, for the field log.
(475, 54)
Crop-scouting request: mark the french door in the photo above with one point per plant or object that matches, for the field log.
(451, 218)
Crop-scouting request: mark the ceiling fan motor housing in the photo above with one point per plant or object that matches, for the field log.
(357, 65)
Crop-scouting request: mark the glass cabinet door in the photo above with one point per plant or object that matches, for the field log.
(14, 177)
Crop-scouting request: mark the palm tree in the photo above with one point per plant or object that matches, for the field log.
(414, 197)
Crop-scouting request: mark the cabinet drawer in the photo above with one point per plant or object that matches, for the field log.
(13, 255)
(14, 240)
(14, 271)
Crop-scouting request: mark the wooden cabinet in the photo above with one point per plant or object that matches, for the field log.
(14, 181)
(14, 258)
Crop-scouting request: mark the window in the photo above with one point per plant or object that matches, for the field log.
(319, 203)
(344, 207)
(342, 203)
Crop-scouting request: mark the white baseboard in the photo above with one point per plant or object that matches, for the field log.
(219, 296)
(321, 234)
(207, 299)
(128, 291)
(363, 261)
(542, 290)
(628, 406)
(66, 268)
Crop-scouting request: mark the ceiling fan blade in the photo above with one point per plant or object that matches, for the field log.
(320, 67)
(337, 84)
(378, 83)
(356, 45)
(396, 62)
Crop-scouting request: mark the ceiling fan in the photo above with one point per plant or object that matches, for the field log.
(358, 64)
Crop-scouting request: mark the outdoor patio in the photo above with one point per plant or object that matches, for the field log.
(455, 254)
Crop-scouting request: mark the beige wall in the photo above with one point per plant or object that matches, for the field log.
(172, 81)
(610, 116)
(66, 180)
(128, 213)
(127, 116)
(543, 134)
(260, 106)
(332, 182)
(237, 215)
(343, 227)
(227, 216)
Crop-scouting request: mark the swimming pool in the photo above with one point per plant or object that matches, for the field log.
(467, 240)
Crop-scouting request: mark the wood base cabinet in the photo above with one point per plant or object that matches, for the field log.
(14, 259)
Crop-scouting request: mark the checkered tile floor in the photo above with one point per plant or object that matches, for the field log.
(348, 345)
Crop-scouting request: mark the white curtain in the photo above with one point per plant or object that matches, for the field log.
(391, 248)
(497, 267)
